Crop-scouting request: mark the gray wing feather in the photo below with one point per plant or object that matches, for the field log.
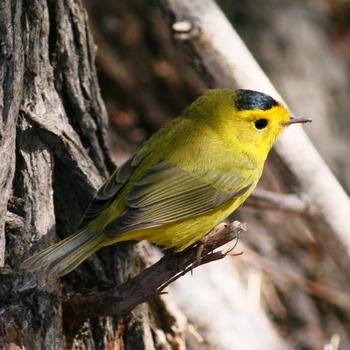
(110, 190)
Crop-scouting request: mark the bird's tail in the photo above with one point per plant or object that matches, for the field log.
(66, 255)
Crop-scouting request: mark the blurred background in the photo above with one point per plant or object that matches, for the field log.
(285, 284)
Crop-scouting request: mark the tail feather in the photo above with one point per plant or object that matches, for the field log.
(66, 255)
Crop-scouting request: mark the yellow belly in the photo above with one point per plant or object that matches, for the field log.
(181, 234)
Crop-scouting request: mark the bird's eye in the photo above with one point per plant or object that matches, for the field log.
(261, 123)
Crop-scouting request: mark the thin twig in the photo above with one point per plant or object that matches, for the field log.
(279, 272)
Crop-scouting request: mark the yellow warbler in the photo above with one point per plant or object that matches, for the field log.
(182, 182)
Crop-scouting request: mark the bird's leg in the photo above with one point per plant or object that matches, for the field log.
(200, 249)
(203, 251)
(202, 244)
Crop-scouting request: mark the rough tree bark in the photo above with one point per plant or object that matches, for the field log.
(54, 157)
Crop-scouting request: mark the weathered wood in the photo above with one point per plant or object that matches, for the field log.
(38, 56)
(11, 68)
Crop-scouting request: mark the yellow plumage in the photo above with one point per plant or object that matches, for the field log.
(182, 182)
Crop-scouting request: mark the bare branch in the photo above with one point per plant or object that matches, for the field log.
(290, 203)
(123, 298)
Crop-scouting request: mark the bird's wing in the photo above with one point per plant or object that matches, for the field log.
(110, 189)
(167, 194)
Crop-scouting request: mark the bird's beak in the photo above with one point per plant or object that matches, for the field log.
(295, 120)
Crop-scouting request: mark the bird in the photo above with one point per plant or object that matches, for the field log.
(182, 182)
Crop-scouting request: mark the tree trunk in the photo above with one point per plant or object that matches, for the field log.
(54, 157)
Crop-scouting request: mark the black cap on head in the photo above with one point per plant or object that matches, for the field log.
(249, 99)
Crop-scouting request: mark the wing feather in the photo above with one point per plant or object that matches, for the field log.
(110, 190)
(167, 194)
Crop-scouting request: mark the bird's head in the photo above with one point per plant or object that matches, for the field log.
(252, 117)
